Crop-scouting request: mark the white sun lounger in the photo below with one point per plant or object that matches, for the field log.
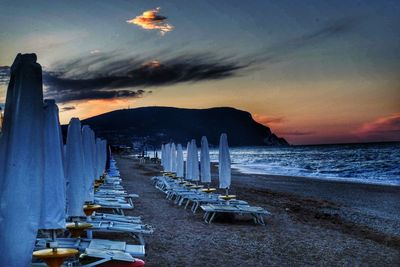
(135, 230)
(210, 210)
(82, 244)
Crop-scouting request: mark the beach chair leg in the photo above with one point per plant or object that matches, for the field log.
(255, 219)
(205, 216)
(212, 217)
(193, 206)
(261, 219)
(187, 204)
(197, 207)
(141, 239)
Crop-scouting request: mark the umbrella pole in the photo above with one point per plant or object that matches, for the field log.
(227, 191)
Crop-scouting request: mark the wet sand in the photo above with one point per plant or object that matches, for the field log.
(313, 222)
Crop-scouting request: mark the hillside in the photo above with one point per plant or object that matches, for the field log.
(162, 124)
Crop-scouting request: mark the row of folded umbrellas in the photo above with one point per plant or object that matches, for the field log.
(42, 181)
(181, 181)
(193, 169)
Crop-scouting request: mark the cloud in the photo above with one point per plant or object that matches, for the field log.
(297, 133)
(68, 108)
(104, 78)
(285, 49)
(110, 75)
(150, 20)
(267, 119)
(382, 129)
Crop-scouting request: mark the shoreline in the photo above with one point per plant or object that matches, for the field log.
(375, 207)
(325, 179)
(304, 229)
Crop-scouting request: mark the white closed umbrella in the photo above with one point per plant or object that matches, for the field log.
(173, 157)
(167, 167)
(224, 163)
(88, 143)
(195, 161)
(162, 155)
(54, 196)
(205, 171)
(97, 158)
(179, 161)
(188, 164)
(75, 170)
(21, 162)
(101, 156)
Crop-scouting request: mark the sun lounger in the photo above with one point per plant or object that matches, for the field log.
(210, 210)
(135, 230)
(82, 244)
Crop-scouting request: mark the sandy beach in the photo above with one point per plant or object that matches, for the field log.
(313, 222)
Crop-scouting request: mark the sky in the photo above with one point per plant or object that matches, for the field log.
(315, 72)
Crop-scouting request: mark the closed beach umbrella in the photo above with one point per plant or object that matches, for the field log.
(188, 164)
(104, 152)
(195, 161)
(93, 136)
(98, 158)
(88, 143)
(162, 155)
(205, 171)
(101, 155)
(21, 162)
(167, 167)
(75, 171)
(53, 197)
(179, 161)
(173, 158)
(224, 165)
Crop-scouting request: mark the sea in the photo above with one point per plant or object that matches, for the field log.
(373, 163)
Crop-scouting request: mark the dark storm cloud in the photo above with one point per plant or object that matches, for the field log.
(109, 78)
(106, 76)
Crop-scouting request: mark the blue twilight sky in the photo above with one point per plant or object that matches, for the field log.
(314, 71)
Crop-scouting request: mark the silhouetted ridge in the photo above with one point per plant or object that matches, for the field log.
(162, 124)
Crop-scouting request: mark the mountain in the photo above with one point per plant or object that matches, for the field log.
(155, 125)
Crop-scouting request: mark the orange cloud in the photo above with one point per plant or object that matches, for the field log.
(150, 20)
(267, 120)
(382, 129)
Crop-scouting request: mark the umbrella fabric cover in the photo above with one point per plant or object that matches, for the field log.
(195, 161)
(162, 155)
(21, 162)
(53, 197)
(75, 170)
(173, 157)
(88, 144)
(188, 164)
(179, 161)
(167, 166)
(224, 165)
(205, 171)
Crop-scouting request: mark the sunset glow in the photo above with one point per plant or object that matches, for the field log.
(313, 72)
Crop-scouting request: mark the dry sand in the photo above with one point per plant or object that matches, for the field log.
(313, 223)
